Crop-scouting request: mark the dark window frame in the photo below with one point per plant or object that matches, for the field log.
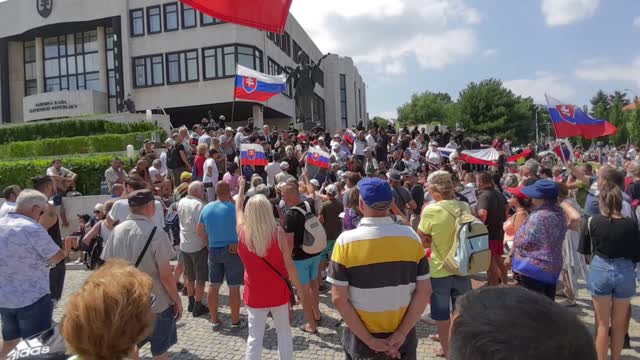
(273, 68)
(150, 57)
(159, 8)
(131, 22)
(164, 16)
(29, 83)
(79, 51)
(344, 115)
(260, 63)
(181, 81)
(215, 20)
(183, 9)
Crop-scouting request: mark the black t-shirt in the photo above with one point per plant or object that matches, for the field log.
(633, 190)
(610, 238)
(417, 192)
(494, 202)
(294, 223)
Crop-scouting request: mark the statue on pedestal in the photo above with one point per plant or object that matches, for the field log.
(305, 77)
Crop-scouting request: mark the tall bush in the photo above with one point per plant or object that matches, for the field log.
(74, 145)
(90, 171)
(68, 128)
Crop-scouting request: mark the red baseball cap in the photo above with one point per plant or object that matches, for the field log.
(517, 192)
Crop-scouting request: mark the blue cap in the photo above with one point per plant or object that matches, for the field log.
(376, 193)
(542, 189)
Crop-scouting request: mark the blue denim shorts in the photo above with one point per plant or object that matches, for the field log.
(223, 265)
(308, 269)
(27, 321)
(611, 277)
(445, 292)
(165, 333)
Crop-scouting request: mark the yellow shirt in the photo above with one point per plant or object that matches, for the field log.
(440, 225)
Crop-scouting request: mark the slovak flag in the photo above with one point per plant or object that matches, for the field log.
(350, 136)
(253, 154)
(256, 86)
(318, 158)
(565, 153)
(569, 120)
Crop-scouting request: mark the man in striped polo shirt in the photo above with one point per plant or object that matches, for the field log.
(380, 278)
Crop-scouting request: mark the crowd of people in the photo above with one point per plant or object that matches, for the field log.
(384, 214)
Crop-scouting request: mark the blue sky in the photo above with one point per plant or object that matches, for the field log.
(566, 48)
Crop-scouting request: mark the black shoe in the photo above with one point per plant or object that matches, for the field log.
(627, 342)
(323, 288)
(199, 309)
(192, 302)
(180, 286)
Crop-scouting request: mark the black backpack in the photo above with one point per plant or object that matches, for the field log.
(91, 258)
(173, 157)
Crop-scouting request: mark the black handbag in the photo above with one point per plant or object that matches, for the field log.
(292, 297)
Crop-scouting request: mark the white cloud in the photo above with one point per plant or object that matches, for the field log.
(489, 52)
(543, 83)
(628, 73)
(387, 114)
(394, 68)
(434, 32)
(636, 22)
(565, 12)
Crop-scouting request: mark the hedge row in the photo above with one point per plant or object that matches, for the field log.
(90, 171)
(74, 145)
(68, 128)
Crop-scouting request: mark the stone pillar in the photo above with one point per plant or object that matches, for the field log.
(39, 65)
(5, 93)
(102, 58)
(258, 116)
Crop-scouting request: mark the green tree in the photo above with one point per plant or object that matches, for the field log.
(491, 109)
(619, 95)
(425, 108)
(600, 105)
(617, 118)
(632, 119)
(380, 121)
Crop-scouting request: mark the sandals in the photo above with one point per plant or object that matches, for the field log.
(303, 328)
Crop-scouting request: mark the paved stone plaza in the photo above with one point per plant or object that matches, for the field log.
(196, 340)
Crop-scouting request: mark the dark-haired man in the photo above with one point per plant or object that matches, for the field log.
(491, 210)
(63, 178)
(115, 174)
(485, 318)
(120, 210)
(10, 194)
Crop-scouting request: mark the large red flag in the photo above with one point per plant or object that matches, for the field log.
(269, 15)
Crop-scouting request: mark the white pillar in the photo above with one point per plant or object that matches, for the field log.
(39, 65)
(102, 56)
(258, 117)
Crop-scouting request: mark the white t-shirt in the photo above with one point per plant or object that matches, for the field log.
(204, 139)
(358, 147)
(434, 157)
(189, 214)
(210, 164)
(64, 172)
(272, 170)
(154, 174)
(371, 141)
(120, 211)
(6, 208)
(163, 160)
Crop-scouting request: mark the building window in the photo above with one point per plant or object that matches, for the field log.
(154, 20)
(298, 54)
(188, 17)
(149, 71)
(220, 62)
(30, 79)
(282, 41)
(273, 68)
(136, 18)
(343, 101)
(171, 17)
(206, 20)
(318, 110)
(360, 102)
(111, 62)
(182, 67)
(71, 62)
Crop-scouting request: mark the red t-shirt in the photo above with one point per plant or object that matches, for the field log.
(199, 163)
(263, 288)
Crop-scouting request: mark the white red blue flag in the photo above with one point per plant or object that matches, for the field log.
(253, 154)
(252, 85)
(350, 136)
(319, 158)
(569, 120)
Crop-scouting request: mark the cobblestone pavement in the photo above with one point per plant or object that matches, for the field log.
(196, 339)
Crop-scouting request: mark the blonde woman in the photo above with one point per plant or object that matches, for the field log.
(110, 314)
(269, 271)
(198, 162)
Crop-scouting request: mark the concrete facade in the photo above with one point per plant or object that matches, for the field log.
(63, 104)
(116, 71)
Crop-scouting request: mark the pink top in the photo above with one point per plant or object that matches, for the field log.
(232, 180)
(263, 288)
(509, 226)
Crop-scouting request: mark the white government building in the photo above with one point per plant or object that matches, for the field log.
(61, 58)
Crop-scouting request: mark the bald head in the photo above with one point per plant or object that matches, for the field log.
(196, 189)
(223, 191)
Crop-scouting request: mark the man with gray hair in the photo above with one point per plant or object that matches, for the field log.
(193, 248)
(530, 173)
(26, 253)
(633, 189)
